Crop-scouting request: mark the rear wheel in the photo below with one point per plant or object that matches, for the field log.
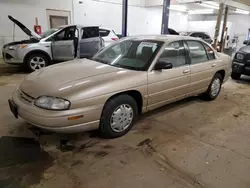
(235, 76)
(36, 61)
(118, 116)
(214, 88)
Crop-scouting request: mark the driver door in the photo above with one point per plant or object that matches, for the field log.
(169, 85)
(62, 46)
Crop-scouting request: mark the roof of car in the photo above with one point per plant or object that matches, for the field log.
(63, 26)
(165, 38)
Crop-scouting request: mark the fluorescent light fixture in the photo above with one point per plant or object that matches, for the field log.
(201, 11)
(209, 6)
(181, 8)
(240, 11)
(211, 3)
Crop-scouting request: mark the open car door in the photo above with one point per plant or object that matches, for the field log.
(64, 44)
(90, 42)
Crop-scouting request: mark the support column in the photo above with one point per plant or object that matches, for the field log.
(165, 17)
(224, 30)
(217, 27)
(124, 17)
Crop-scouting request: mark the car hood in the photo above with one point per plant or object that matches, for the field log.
(245, 49)
(65, 79)
(24, 28)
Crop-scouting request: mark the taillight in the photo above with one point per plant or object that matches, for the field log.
(115, 39)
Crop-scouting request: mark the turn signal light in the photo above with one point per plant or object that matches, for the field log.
(115, 39)
(75, 117)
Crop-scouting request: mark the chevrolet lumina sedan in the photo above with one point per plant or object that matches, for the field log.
(130, 77)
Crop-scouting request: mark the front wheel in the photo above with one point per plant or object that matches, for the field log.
(118, 116)
(235, 76)
(214, 88)
(36, 61)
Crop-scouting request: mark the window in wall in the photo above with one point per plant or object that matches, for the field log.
(174, 53)
(197, 52)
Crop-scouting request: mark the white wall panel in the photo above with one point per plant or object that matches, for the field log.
(26, 11)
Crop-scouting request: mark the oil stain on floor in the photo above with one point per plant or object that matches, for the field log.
(22, 161)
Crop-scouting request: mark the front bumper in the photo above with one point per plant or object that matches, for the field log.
(240, 68)
(12, 56)
(56, 121)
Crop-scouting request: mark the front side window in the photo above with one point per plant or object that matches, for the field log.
(197, 52)
(210, 52)
(130, 54)
(174, 53)
(66, 34)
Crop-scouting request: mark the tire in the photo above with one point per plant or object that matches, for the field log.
(235, 76)
(214, 88)
(120, 126)
(36, 61)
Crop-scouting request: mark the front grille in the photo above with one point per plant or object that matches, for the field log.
(25, 97)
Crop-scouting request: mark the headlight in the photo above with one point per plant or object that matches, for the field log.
(12, 47)
(52, 103)
(240, 56)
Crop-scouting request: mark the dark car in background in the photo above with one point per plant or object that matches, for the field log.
(241, 62)
(201, 35)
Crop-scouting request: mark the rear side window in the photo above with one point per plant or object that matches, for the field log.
(90, 32)
(174, 53)
(197, 52)
(210, 52)
(104, 32)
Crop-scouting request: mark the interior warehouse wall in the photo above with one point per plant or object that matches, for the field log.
(240, 25)
(141, 20)
(106, 13)
(26, 11)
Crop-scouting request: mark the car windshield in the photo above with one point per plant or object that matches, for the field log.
(49, 32)
(130, 54)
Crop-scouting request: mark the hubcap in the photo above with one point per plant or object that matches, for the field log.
(215, 88)
(121, 118)
(37, 63)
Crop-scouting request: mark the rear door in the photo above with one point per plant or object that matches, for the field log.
(90, 41)
(203, 65)
(62, 45)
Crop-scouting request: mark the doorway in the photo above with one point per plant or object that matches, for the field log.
(56, 21)
(58, 18)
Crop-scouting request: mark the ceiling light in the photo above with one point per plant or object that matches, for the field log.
(202, 11)
(178, 8)
(240, 11)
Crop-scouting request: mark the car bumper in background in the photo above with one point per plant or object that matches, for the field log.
(12, 57)
(240, 68)
(56, 123)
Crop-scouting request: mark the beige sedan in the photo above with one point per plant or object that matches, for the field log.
(130, 77)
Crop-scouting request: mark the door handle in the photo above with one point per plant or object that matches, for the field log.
(186, 71)
(213, 65)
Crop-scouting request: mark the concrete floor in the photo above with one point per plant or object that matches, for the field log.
(188, 144)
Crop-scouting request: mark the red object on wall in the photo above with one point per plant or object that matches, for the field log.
(38, 29)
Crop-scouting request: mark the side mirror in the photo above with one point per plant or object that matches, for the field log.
(246, 42)
(163, 65)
